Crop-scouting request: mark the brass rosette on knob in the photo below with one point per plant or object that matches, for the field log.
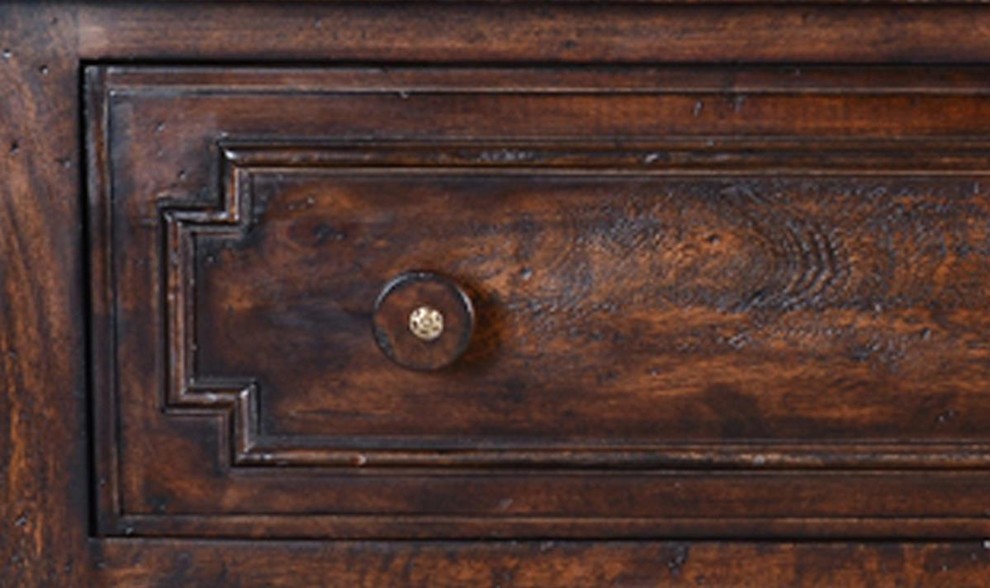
(423, 321)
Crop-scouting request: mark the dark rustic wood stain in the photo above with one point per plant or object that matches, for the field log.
(44, 510)
(392, 319)
(784, 299)
(724, 295)
(547, 563)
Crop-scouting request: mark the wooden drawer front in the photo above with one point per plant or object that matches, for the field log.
(743, 301)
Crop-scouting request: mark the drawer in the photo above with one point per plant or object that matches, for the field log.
(528, 302)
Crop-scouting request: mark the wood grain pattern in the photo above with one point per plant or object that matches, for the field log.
(44, 508)
(624, 289)
(44, 513)
(546, 563)
(575, 33)
(767, 275)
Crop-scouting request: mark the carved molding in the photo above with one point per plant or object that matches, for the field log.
(144, 497)
(237, 400)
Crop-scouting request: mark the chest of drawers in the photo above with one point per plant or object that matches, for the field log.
(495, 294)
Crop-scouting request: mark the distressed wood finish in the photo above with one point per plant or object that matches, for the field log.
(568, 32)
(44, 509)
(775, 275)
(546, 563)
(52, 490)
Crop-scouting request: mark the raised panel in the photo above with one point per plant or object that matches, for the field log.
(695, 289)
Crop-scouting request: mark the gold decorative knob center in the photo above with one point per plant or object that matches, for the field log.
(422, 320)
(426, 323)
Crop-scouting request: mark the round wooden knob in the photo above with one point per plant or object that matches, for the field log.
(423, 321)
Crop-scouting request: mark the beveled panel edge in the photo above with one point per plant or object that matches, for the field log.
(101, 363)
(288, 527)
(682, 156)
(422, 527)
(674, 79)
(237, 401)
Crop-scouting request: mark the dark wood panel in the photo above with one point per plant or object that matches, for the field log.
(546, 564)
(579, 32)
(43, 505)
(44, 510)
(803, 263)
(618, 308)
